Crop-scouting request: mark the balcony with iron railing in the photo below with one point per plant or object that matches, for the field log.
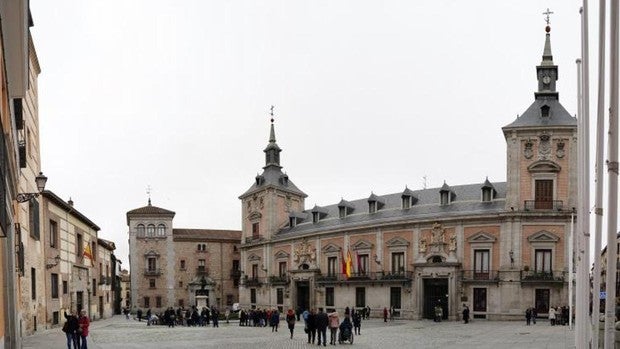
(235, 273)
(202, 271)
(478, 276)
(152, 271)
(540, 205)
(279, 279)
(401, 276)
(253, 281)
(542, 276)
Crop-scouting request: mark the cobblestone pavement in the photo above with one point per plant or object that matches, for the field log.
(120, 333)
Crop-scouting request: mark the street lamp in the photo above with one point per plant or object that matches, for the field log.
(40, 180)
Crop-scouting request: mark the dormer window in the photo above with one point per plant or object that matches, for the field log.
(342, 211)
(318, 213)
(344, 208)
(284, 180)
(544, 111)
(487, 194)
(260, 180)
(372, 206)
(406, 202)
(292, 221)
(488, 191)
(315, 217)
(374, 203)
(445, 195)
(445, 198)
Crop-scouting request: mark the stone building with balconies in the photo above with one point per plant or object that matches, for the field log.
(499, 247)
(172, 267)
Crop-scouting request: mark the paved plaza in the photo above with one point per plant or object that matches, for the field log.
(118, 332)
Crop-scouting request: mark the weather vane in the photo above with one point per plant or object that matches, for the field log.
(547, 17)
(148, 192)
(271, 112)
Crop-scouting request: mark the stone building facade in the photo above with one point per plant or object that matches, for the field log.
(172, 267)
(499, 247)
(104, 260)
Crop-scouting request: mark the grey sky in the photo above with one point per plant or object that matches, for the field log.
(369, 96)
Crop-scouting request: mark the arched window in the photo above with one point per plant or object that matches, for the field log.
(140, 229)
(161, 230)
(150, 230)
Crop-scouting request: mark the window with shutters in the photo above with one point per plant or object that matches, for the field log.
(543, 194)
(54, 285)
(53, 234)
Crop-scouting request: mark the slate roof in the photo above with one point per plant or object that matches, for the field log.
(206, 234)
(427, 207)
(273, 176)
(149, 210)
(558, 116)
(48, 194)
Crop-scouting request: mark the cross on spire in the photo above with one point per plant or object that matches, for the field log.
(547, 16)
(271, 112)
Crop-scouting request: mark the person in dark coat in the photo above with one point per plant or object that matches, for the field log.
(290, 321)
(311, 324)
(357, 322)
(215, 315)
(321, 326)
(465, 313)
(528, 316)
(139, 314)
(71, 332)
(274, 320)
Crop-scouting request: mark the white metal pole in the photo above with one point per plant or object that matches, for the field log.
(581, 322)
(598, 168)
(612, 171)
(570, 270)
(585, 56)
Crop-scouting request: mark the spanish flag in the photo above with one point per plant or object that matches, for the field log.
(349, 264)
(88, 253)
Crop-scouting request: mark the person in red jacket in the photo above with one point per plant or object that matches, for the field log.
(84, 323)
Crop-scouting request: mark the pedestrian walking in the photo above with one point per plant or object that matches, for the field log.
(321, 326)
(70, 328)
(139, 314)
(84, 323)
(334, 323)
(465, 313)
(357, 322)
(274, 320)
(385, 314)
(311, 324)
(290, 321)
(534, 315)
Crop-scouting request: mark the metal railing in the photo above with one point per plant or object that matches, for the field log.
(478, 275)
(202, 271)
(542, 276)
(367, 276)
(279, 279)
(539, 205)
(235, 273)
(253, 282)
(252, 239)
(152, 271)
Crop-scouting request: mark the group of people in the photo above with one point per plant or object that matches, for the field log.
(190, 317)
(316, 324)
(76, 329)
(557, 315)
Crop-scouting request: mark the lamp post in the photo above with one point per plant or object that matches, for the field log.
(40, 180)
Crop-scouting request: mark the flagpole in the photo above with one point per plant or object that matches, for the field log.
(580, 306)
(612, 172)
(598, 168)
(570, 269)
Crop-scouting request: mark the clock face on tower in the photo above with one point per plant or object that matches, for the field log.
(546, 79)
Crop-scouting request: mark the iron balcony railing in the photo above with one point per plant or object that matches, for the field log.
(402, 276)
(152, 271)
(235, 273)
(279, 280)
(539, 205)
(253, 282)
(200, 271)
(542, 276)
(252, 239)
(479, 276)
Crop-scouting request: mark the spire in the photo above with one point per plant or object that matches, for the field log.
(547, 72)
(547, 58)
(272, 152)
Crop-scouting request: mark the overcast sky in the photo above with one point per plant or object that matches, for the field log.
(368, 95)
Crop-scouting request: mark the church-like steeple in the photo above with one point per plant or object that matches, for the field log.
(272, 152)
(547, 72)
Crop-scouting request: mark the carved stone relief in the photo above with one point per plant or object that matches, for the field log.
(544, 147)
(304, 253)
(528, 151)
(559, 152)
